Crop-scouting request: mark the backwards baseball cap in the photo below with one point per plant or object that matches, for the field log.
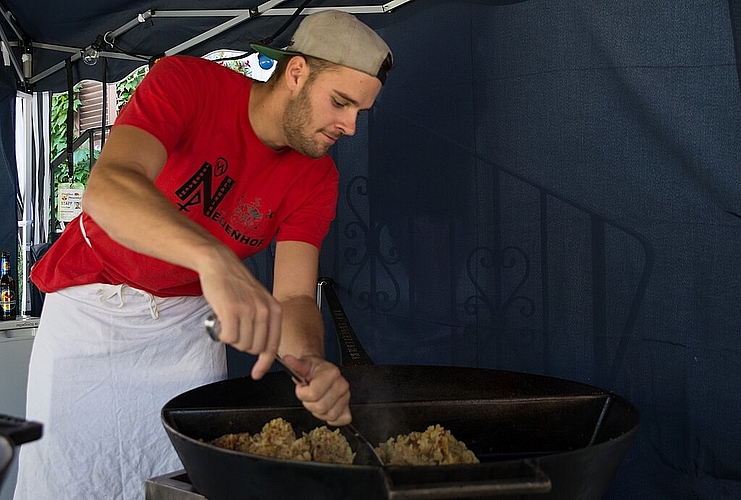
(337, 37)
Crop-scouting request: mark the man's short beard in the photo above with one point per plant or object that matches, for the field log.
(296, 121)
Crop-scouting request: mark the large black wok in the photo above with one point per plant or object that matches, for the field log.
(537, 437)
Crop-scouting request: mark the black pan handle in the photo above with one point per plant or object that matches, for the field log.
(534, 483)
(472, 489)
(18, 430)
(351, 350)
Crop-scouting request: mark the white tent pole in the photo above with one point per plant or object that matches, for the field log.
(41, 169)
(24, 160)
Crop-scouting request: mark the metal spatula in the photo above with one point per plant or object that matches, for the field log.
(365, 454)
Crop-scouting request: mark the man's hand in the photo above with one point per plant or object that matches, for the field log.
(249, 316)
(327, 395)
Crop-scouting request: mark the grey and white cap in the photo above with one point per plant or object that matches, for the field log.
(337, 37)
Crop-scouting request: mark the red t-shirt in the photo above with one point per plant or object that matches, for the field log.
(218, 173)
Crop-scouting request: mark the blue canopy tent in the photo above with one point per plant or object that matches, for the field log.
(544, 186)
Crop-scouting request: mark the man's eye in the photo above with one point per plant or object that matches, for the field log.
(338, 104)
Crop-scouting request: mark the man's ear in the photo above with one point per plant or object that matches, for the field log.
(296, 73)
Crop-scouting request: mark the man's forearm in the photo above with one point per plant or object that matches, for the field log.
(302, 328)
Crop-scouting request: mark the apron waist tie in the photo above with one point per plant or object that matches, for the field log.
(116, 292)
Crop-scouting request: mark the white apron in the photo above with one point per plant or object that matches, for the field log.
(105, 360)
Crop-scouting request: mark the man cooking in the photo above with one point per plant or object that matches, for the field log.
(202, 169)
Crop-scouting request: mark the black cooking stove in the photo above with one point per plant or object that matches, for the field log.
(172, 486)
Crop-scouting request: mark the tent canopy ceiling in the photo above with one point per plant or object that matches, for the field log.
(134, 32)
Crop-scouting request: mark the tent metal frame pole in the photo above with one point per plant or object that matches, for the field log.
(75, 50)
(278, 11)
(18, 66)
(388, 7)
(358, 9)
(11, 56)
(54, 69)
(78, 55)
(223, 27)
(6, 43)
(140, 19)
(58, 48)
(11, 22)
(238, 16)
(265, 9)
(209, 34)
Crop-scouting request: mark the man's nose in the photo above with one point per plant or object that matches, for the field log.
(348, 123)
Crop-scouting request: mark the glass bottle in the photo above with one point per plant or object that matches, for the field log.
(7, 290)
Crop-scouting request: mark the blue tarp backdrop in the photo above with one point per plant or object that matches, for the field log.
(554, 187)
